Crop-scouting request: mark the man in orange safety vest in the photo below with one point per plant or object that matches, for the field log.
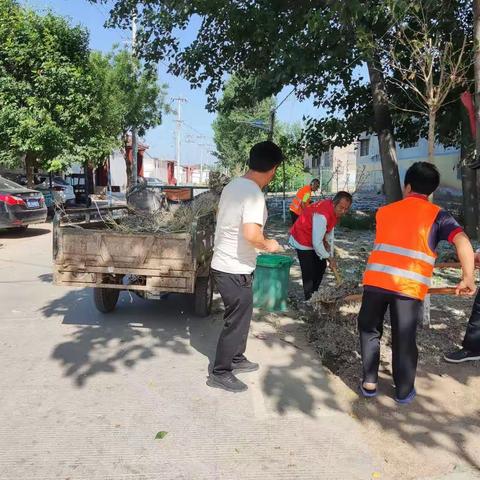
(302, 199)
(398, 276)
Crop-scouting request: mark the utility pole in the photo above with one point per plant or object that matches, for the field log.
(178, 132)
(270, 137)
(134, 130)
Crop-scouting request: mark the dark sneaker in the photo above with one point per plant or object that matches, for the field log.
(462, 355)
(227, 381)
(245, 366)
(408, 399)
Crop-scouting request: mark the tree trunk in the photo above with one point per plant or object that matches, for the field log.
(431, 136)
(469, 197)
(29, 167)
(384, 129)
(469, 178)
(128, 163)
(476, 68)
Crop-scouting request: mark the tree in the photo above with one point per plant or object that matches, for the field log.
(289, 139)
(45, 94)
(315, 46)
(138, 95)
(426, 66)
(309, 45)
(234, 131)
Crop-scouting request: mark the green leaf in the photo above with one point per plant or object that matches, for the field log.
(161, 435)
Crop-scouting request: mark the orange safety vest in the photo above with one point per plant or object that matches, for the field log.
(296, 205)
(401, 260)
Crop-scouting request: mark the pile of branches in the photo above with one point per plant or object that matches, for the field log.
(167, 221)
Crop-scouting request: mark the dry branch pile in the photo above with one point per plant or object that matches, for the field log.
(167, 221)
(176, 220)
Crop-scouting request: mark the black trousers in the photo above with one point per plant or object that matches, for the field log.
(237, 296)
(471, 340)
(313, 269)
(293, 216)
(405, 314)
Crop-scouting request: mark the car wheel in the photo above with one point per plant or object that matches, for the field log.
(203, 296)
(105, 299)
(21, 229)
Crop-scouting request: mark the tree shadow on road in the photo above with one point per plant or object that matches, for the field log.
(136, 331)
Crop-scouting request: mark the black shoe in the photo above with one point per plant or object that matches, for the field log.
(245, 366)
(462, 355)
(227, 381)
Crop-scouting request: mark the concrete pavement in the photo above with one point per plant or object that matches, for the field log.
(84, 394)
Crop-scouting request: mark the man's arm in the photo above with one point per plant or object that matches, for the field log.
(319, 230)
(253, 234)
(467, 261)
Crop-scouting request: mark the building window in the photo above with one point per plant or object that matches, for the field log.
(364, 147)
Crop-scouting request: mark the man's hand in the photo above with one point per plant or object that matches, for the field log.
(466, 287)
(272, 246)
(332, 263)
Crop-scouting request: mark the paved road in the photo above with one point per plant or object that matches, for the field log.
(84, 394)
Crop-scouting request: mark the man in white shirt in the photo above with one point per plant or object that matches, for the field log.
(242, 214)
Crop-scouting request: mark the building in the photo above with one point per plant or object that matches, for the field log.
(336, 168)
(164, 170)
(369, 168)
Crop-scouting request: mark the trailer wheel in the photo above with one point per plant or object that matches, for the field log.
(203, 296)
(105, 299)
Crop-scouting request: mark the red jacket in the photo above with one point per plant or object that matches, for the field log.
(302, 228)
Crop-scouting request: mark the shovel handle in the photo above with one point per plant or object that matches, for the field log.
(448, 265)
(431, 291)
(335, 271)
(442, 291)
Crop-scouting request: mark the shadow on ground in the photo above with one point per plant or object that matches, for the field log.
(30, 232)
(139, 330)
(135, 331)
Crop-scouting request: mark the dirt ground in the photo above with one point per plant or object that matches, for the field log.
(439, 432)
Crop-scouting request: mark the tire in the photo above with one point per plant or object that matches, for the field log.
(21, 229)
(105, 299)
(203, 296)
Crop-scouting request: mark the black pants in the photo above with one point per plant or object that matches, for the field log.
(313, 269)
(293, 216)
(405, 314)
(237, 296)
(471, 340)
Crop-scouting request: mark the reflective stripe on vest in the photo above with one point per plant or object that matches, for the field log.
(402, 260)
(399, 272)
(295, 206)
(406, 252)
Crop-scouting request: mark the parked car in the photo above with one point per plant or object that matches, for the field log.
(154, 182)
(62, 191)
(20, 206)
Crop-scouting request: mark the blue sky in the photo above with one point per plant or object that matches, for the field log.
(197, 119)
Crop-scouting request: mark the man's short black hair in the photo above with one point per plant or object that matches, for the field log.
(339, 195)
(315, 180)
(423, 177)
(264, 156)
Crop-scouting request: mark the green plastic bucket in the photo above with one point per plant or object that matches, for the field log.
(270, 284)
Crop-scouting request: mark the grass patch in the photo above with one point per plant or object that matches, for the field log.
(358, 221)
